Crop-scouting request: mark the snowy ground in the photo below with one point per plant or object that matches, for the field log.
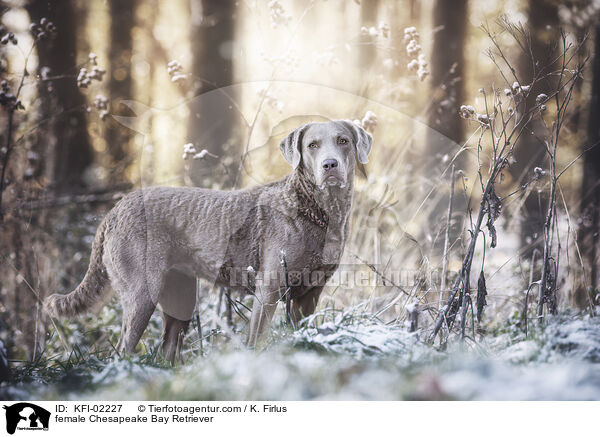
(357, 358)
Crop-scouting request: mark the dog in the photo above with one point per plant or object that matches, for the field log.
(154, 243)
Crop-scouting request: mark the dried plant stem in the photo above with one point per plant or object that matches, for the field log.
(447, 238)
(524, 315)
(544, 294)
(228, 310)
(287, 294)
(466, 269)
(463, 276)
(199, 328)
(385, 279)
(198, 321)
(547, 283)
(443, 314)
(525, 308)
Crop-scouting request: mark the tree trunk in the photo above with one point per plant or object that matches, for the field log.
(368, 18)
(447, 66)
(529, 152)
(415, 9)
(63, 140)
(122, 16)
(590, 190)
(212, 122)
(367, 53)
(445, 134)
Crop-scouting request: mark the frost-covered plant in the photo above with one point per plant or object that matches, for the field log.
(270, 99)
(381, 31)
(86, 77)
(277, 14)
(101, 104)
(368, 122)
(189, 151)
(502, 120)
(175, 71)
(287, 63)
(417, 64)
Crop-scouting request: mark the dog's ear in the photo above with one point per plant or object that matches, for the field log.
(362, 141)
(291, 146)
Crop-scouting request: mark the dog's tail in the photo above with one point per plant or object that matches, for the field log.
(90, 289)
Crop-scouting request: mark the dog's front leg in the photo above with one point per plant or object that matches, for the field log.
(263, 307)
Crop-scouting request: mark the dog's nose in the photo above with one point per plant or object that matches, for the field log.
(330, 164)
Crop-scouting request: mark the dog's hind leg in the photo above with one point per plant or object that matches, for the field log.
(305, 305)
(177, 301)
(136, 315)
(173, 333)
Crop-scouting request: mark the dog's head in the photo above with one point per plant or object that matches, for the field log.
(327, 151)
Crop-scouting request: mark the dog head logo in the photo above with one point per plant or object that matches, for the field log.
(26, 416)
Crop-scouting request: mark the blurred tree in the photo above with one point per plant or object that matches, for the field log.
(415, 9)
(122, 21)
(589, 230)
(368, 19)
(62, 139)
(447, 67)
(529, 152)
(212, 122)
(58, 153)
(446, 133)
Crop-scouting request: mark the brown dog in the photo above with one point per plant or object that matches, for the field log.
(154, 242)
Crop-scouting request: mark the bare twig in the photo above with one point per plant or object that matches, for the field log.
(381, 275)
(447, 238)
(547, 283)
(228, 305)
(287, 294)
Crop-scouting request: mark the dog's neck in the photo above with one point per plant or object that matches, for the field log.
(328, 208)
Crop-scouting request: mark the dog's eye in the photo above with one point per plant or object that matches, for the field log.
(312, 145)
(342, 141)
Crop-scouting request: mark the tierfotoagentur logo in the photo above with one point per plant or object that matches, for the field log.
(346, 276)
(24, 416)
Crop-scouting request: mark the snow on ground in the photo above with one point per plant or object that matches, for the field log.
(359, 358)
(560, 363)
